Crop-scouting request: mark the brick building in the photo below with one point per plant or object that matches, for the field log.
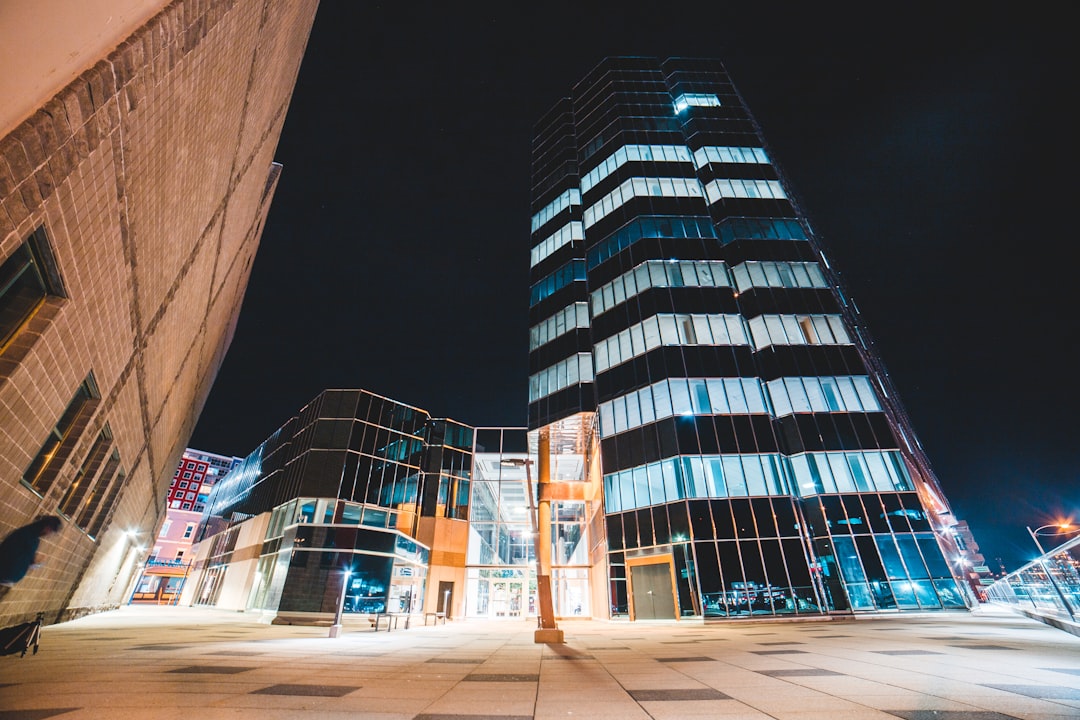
(137, 140)
(168, 565)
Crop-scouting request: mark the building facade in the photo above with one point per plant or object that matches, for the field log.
(137, 140)
(754, 457)
(166, 569)
(358, 502)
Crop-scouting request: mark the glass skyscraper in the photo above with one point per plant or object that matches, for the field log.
(754, 458)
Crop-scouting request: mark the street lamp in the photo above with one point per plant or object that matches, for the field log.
(1063, 528)
(335, 629)
(547, 630)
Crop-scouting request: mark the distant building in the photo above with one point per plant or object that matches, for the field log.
(167, 566)
(137, 142)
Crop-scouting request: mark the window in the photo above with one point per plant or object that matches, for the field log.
(164, 529)
(84, 478)
(107, 504)
(189, 530)
(187, 476)
(61, 440)
(183, 484)
(687, 100)
(186, 506)
(27, 277)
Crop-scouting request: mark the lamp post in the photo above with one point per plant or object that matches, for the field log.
(1062, 529)
(547, 630)
(335, 629)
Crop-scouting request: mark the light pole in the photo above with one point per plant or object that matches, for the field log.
(1063, 528)
(547, 631)
(335, 629)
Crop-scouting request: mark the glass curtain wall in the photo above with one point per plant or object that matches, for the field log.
(755, 461)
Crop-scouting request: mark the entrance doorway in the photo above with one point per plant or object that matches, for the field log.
(445, 601)
(652, 588)
(499, 593)
(506, 598)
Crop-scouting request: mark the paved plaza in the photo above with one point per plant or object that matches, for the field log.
(149, 662)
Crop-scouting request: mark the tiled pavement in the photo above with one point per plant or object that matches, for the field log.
(149, 662)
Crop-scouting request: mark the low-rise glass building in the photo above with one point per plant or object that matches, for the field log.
(356, 489)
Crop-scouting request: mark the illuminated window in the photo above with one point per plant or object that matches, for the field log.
(77, 491)
(62, 438)
(27, 278)
(688, 100)
(556, 206)
(634, 153)
(643, 187)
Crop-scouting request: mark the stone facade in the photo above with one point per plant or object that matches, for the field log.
(151, 175)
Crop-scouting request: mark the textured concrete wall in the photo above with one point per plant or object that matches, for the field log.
(152, 173)
(45, 44)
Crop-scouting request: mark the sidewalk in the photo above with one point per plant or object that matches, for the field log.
(149, 662)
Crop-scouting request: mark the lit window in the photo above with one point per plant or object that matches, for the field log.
(62, 438)
(27, 278)
(688, 100)
(164, 530)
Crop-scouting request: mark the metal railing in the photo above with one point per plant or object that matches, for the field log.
(1049, 585)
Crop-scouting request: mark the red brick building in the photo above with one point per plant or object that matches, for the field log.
(169, 563)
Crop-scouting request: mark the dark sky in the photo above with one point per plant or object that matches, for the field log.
(928, 151)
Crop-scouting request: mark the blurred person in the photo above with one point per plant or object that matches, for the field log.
(19, 550)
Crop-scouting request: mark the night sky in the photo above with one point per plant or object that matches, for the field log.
(929, 152)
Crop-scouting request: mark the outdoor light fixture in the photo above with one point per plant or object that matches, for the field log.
(1063, 528)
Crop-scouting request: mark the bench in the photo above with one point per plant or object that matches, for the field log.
(437, 615)
(392, 620)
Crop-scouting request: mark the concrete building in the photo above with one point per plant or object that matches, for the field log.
(137, 142)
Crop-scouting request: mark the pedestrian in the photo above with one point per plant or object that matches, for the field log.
(19, 550)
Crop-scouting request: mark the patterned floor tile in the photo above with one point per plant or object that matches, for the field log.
(1044, 692)
(949, 715)
(211, 670)
(508, 677)
(675, 695)
(307, 690)
(799, 672)
(696, 658)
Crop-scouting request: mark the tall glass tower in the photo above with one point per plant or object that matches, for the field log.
(754, 458)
